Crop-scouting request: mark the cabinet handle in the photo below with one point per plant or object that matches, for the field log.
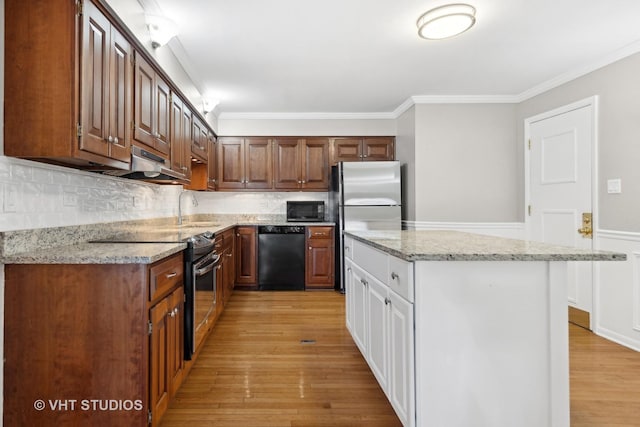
(304, 182)
(387, 301)
(172, 313)
(347, 248)
(309, 247)
(349, 269)
(394, 276)
(170, 275)
(110, 138)
(115, 140)
(176, 310)
(364, 282)
(229, 255)
(184, 168)
(365, 156)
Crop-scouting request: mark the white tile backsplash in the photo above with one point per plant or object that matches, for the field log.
(271, 203)
(37, 195)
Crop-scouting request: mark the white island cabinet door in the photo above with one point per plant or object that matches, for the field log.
(401, 355)
(348, 294)
(359, 297)
(378, 315)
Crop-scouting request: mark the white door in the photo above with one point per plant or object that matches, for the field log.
(560, 189)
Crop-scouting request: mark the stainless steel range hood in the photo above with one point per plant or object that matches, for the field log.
(148, 166)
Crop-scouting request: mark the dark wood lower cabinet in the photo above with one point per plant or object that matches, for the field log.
(97, 345)
(246, 257)
(319, 259)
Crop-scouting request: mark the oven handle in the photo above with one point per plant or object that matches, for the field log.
(213, 257)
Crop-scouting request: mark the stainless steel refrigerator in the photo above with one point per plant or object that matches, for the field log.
(364, 196)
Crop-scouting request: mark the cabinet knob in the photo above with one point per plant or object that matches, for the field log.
(115, 140)
(394, 276)
(364, 282)
(110, 138)
(387, 301)
(309, 247)
(184, 168)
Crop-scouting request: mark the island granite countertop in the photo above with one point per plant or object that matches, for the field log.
(437, 245)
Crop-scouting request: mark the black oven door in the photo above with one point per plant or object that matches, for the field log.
(203, 301)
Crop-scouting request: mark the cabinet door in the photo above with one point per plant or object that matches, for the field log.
(120, 96)
(212, 166)
(346, 150)
(378, 148)
(143, 109)
(258, 164)
(246, 253)
(319, 264)
(287, 163)
(175, 346)
(401, 358)
(315, 164)
(230, 163)
(378, 332)
(160, 389)
(161, 112)
(176, 135)
(348, 294)
(199, 140)
(185, 141)
(359, 294)
(95, 81)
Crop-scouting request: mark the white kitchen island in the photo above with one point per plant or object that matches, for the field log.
(463, 330)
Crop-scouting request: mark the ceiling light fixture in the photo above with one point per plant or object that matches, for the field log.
(446, 21)
(161, 29)
(208, 105)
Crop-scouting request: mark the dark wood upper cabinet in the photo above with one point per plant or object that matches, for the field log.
(180, 137)
(301, 163)
(244, 163)
(152, 109)
(60, 79)
(199, 140)
(356, 149)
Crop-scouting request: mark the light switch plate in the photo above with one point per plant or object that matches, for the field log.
(614, 186)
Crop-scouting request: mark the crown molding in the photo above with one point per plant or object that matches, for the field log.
(609, 59)
(626, 51)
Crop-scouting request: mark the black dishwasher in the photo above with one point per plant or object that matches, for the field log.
(281, 258)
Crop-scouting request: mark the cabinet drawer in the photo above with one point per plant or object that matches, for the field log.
(165, 276)
(320, 232)
(348, 247)
(371, 260)
(401, 277)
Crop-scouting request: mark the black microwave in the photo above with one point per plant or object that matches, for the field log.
(305, 211)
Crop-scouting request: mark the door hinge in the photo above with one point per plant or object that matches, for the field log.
(529, 143)
(79, 130)
(79, 7)
(529, 208)
(149, 327)
(149, 417)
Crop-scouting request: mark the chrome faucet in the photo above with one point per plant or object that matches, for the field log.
(193, 200)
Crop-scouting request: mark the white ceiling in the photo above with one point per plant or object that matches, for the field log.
(364, 56)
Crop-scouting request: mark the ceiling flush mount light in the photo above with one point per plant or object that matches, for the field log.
(446, 21)
(161, 30)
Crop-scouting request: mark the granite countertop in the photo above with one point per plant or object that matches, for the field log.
(428, 245)
(77, 244)
(98, 253)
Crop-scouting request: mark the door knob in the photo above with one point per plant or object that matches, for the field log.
(587, 226)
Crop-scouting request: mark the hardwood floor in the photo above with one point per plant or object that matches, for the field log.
(604, 381)
(255, 371)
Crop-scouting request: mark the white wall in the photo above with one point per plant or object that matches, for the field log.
(466, 163)
(617, 288)
(406, 154)
(306, 127)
